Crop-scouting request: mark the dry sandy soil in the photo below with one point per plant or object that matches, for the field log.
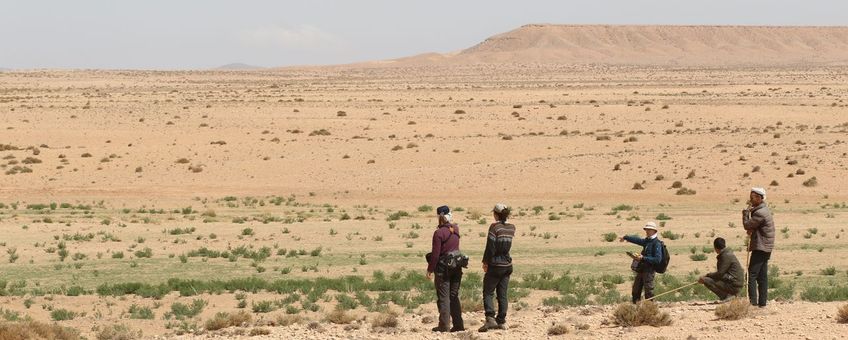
(325, 158)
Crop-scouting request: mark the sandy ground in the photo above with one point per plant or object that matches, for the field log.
(571, 141)
(693, 321)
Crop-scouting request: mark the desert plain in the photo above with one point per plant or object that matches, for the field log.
(299, 202)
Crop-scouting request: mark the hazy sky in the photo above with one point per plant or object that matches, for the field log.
(183, 34)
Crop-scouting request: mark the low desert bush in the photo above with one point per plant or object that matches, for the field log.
(181, 311)
(842, 314)
(339, 317)
(141, 312)
(36, 330)
(558, 329)
(668, 234)
(698, 257)
(385, 320)
(736, 309)
(811, 182)
(643, 313)
(288, 320)
(118, 332)
(224, 320)
(62, 314)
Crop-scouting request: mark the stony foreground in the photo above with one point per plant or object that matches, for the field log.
(692, 320)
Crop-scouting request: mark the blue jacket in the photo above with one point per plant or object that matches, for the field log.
(651, 249)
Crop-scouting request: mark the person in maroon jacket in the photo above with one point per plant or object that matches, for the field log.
(445, 242)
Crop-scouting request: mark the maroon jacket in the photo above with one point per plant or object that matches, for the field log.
(443, 242)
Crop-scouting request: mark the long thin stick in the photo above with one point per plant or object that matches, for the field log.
(673, 290)
(747, 261)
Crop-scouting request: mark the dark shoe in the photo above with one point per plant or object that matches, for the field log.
(457, 329)
(727, 299)
(502, 326)
(439, 329)
(489, 324)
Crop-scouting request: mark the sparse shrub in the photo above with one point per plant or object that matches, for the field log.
(145, 253)
(118, 332)
(288, 320)
(736, 309)
(830, 271)
(668, 234)
(609, 237)
(638, 186)
(811, 182)
(558, 329)
(263, 306)
(676, 185)
(62, 314)
(13, 255)
(397, 215)
(181, 310)
(321, 132)
(685, 191)
(698, 257)
(385, 320)
(842, 314)
(257, 331)
(224, 320)
(339, 317)
(642, 313)
(140, 312)
(36, 330)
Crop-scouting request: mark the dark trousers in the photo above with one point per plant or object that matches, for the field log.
(447, 297)
(644, 280)
(758, 277)
(720, 288)
(496, 279)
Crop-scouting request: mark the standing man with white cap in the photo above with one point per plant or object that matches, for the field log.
(645, 262)
(759, 224)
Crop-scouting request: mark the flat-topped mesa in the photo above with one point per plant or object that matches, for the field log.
(659, 45)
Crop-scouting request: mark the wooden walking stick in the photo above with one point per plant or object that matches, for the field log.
(747, 260)
(673, 290)
(747, 249)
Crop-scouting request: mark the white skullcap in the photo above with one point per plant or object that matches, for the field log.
(759, 191)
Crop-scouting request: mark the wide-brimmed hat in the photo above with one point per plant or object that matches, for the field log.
(650, 226)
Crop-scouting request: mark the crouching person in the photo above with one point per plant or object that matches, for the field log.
(446, 245)
(729, 277)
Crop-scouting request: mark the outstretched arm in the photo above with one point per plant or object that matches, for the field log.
(634, 239)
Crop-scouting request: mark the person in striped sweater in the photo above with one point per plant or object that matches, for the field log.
(497, 264)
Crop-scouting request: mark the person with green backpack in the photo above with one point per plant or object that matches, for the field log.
(650, 261)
